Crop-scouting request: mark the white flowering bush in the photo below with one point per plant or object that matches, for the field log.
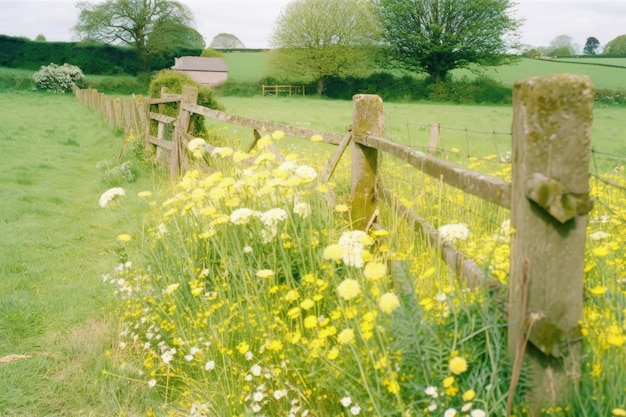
(58, 79)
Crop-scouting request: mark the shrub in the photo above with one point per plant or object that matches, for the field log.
(174, 82)
(211, 53)
(58, 79)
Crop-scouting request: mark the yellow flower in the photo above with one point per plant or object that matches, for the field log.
(619, 412)
(171, 288)
(458, 365)
(375, 270)
(332, 354)
(310, 322)
(276, 345)
(346, 336)
(598, 290)
(349, 289)
(341, 208)
(333, 252)
(317, 138)
(307, 304)
(448, 382)
(278, 135)
(469, 395)
(601, 251)
(243, 348)
(123, 237)
(144, 194)
(388, 302)
(292, 295)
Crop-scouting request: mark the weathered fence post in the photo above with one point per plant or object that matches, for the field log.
(368, 119)
(433, 141)
(549, 204)
(179, 156)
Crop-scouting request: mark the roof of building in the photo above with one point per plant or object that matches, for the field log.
(197, 63)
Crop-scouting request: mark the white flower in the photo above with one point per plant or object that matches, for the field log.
(280, 393)
(255, 370)
(247, 249)
(109, 195)
(273, 216)
(306, 173)
(467, 407)
(599, 235)
(346, 401)
(242, 215)
(209, 366)
(432, 407)
(450, 412)
(258, 396)
(302, 209)
(478, 413)
(168, 356)
(188, 358)
(431, 391)
(196, 147)
(152, 383)
(352, 244)
(355, 410)
(256, 407)
(456, 231)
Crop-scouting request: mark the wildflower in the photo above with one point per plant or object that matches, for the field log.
(349, 289)
(265, 273)
(431, 391)
(124, 237)
(307, 304)
(109, 195)
(242, 216)
(152, 383)
(222, 151)
(452, 232)
(341, 208)
(599, 235)
(448, 381)
(188, 358)
(481, 413)
(388, 302)
(278, 135)
(144, 194)
(306, 173)
(450, 412)
(243, 348)
(310, 322)
(346, 401)
(355, 410)
(209, 366)
(469, 395)
(332, 354)
(280, 393)
(598, 290)
(353, 243)
(302, 209)
(458, 365)
(346, 336)
(255, 370)
(196, 147)
(171, 288)
(168, 355)
(317, 138)
(333, 252)
(375, 270)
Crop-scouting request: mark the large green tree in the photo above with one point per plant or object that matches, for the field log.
(616, 46)
(226, 41)
(150, 26)
(436, 36)
(317, 39)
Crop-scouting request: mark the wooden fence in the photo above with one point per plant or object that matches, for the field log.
(287, 89)
(548, 198)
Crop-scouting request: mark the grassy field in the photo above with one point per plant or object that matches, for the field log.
(253, 66)
(55, 243)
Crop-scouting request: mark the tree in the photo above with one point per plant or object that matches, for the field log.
(616, 47)
(562, 45)
(317, 39)
(40, 38)
(226, 41)
(136, 23)
(591, 46)
(437, 36)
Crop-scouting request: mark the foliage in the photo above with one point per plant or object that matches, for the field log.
(561, 46)
(592, 46)
(436, 36)
(311, 48)
(211, 53)
(226, 41)
(174, 82)
(40, 38)
(616, 47)
(136, 23)
(58, 79)
(169, 35)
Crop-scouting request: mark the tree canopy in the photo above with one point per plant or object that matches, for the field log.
(317, 39)
(436, 36)
(226, 41)
(616, 46)
(150, 26)
(592, 46)
(562, 45)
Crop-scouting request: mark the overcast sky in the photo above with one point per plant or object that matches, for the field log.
(251, 20)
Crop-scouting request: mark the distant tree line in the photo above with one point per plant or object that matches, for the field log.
(92, 57)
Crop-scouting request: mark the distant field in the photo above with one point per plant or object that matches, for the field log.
(243, 66)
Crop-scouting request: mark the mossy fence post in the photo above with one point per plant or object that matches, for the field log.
(552, 118)
(368, 119)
